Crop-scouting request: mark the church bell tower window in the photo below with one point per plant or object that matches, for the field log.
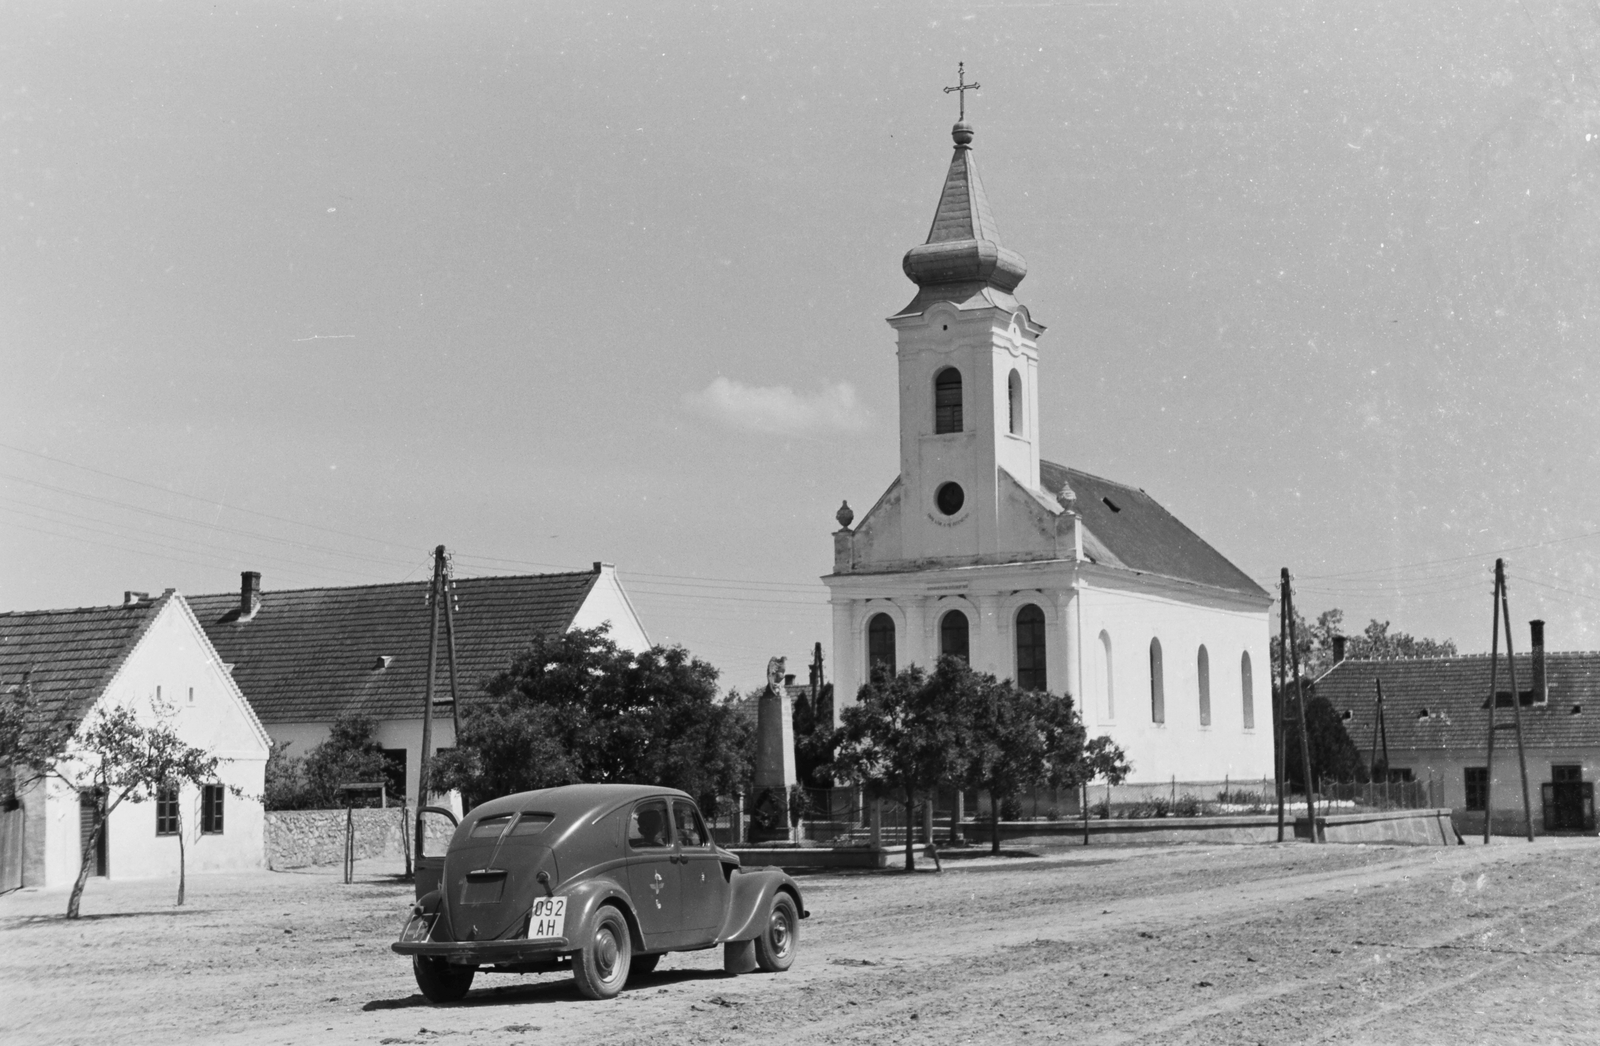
(953, 635)
(1014, 403)
(947, 401)
(950, 497)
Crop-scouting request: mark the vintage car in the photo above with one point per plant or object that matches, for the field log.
(601, 879)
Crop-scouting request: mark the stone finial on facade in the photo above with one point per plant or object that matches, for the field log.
(845, 516)
(1066, 497)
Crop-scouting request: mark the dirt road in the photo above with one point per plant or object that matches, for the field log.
(1218, 945)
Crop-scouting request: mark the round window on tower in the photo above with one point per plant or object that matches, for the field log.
(950, 498)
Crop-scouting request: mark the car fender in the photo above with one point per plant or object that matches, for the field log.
(584, 901)
(753, 890)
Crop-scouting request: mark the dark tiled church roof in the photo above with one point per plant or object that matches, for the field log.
(1439, 702)
(1131, 530)
(71, 655)
(308, 655)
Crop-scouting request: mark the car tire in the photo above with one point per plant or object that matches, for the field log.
(780, 939)
(643, 965)
(440, 981)
(601, 967)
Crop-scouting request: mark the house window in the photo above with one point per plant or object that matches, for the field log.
(1158, 697)
(947, 401)
(1203, 674)
(953, 635)
(1108, 689)
(1014, 402)
(1477, 780)
(1566, 774)
(880, 643)
(1030, 648)
(211, 809)
(167, 810)
(394, 772)
(1247, 691)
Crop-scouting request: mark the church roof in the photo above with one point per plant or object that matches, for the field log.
(962, 256)
(71, 655)
(1128, 528)
(1439, 702)
(308, 655)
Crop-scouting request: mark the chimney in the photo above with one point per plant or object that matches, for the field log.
(249, 594)
(1541, 691)
(1338, 649)
(130, 599)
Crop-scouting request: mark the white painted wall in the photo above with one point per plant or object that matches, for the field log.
(608, 603)
(173, 659)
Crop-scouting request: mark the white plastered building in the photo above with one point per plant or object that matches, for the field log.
(1034, 571)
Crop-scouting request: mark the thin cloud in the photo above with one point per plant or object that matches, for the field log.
(779, 410)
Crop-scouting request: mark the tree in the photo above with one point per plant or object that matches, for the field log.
(1018, 738)
(1334, 756)
(907, 732)
(813, 736)
(1102, 760)
(1315, 643)
(350, 754)
(576, 707)
(115, 756)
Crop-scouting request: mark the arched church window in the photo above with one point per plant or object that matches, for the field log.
(1203, 673)
(1014, 402)
(1030, 648)
(1107, 687)
(947, 401)
(953, 635)
(880, 643)
(1158, 697)
(1247, 691)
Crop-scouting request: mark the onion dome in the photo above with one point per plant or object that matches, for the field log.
(963, 245)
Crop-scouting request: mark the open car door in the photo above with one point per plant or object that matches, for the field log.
(430, 866)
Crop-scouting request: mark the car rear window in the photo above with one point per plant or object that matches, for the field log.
(532, 824)
(490, 827)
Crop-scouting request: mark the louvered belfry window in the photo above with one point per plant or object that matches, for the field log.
(947, 401)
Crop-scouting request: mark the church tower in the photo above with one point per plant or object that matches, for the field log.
(969, 363)
(1030, 570)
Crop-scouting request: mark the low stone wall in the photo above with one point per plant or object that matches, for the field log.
(1429, 827)
(299, 838)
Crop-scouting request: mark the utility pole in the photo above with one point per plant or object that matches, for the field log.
(435, 593)
(1516, 698)
(1380, 729)
(1494, 671)
(1300, 701)
(1281, 705)
(447, 593)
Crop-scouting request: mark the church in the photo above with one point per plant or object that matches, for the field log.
(1031, 570)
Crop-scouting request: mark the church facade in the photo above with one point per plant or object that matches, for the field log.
(1031, 570)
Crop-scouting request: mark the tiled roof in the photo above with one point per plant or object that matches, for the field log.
(72, 654)
(1128, 528)
(308, 655)
(1454, 691)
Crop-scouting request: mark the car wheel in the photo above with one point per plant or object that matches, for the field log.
(776, 946)
(601, 968)
(643, 965)
(440, 981)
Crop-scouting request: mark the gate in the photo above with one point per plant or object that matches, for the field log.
(1568, 806)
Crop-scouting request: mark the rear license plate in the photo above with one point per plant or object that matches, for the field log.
(548, 918)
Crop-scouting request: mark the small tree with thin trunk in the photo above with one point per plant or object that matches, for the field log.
(907, 732)
(1020, 738)
(113, 756)
(1102, 760)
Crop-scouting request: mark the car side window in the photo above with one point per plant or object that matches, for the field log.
(691, 830)
(648, 828)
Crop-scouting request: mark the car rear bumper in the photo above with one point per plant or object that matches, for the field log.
(485, 953)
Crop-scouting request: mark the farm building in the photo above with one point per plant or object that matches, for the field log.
(151, 656)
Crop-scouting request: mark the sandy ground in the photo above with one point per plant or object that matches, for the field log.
(1212, 945)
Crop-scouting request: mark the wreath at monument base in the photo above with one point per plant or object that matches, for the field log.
(778, 809)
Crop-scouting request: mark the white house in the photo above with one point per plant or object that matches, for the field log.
(151, 656)
(1035, 571)
(307, 656)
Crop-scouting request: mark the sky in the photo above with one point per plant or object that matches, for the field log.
(312, 288)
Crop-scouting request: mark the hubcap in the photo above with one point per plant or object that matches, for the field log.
(778, 931)
(605, 953)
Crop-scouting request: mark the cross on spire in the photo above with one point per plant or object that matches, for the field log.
(962, 87)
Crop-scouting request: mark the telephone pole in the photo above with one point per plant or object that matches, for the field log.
(1516, 698)
(1300, 701)
(435, 593)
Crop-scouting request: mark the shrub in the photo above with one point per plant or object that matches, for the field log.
(286, 787)
(1101, 810)
(1011, 808)
(1188, 805)
(1154, 806)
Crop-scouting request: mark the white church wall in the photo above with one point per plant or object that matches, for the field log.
(1181, 746)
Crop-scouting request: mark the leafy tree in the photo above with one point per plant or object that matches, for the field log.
(1102, 760)
(576, 707)
(813, 737)
(350, 754)
(1314, 643)
(114, 756)
(1018, 738)
(1334, 756)
(908, 732)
